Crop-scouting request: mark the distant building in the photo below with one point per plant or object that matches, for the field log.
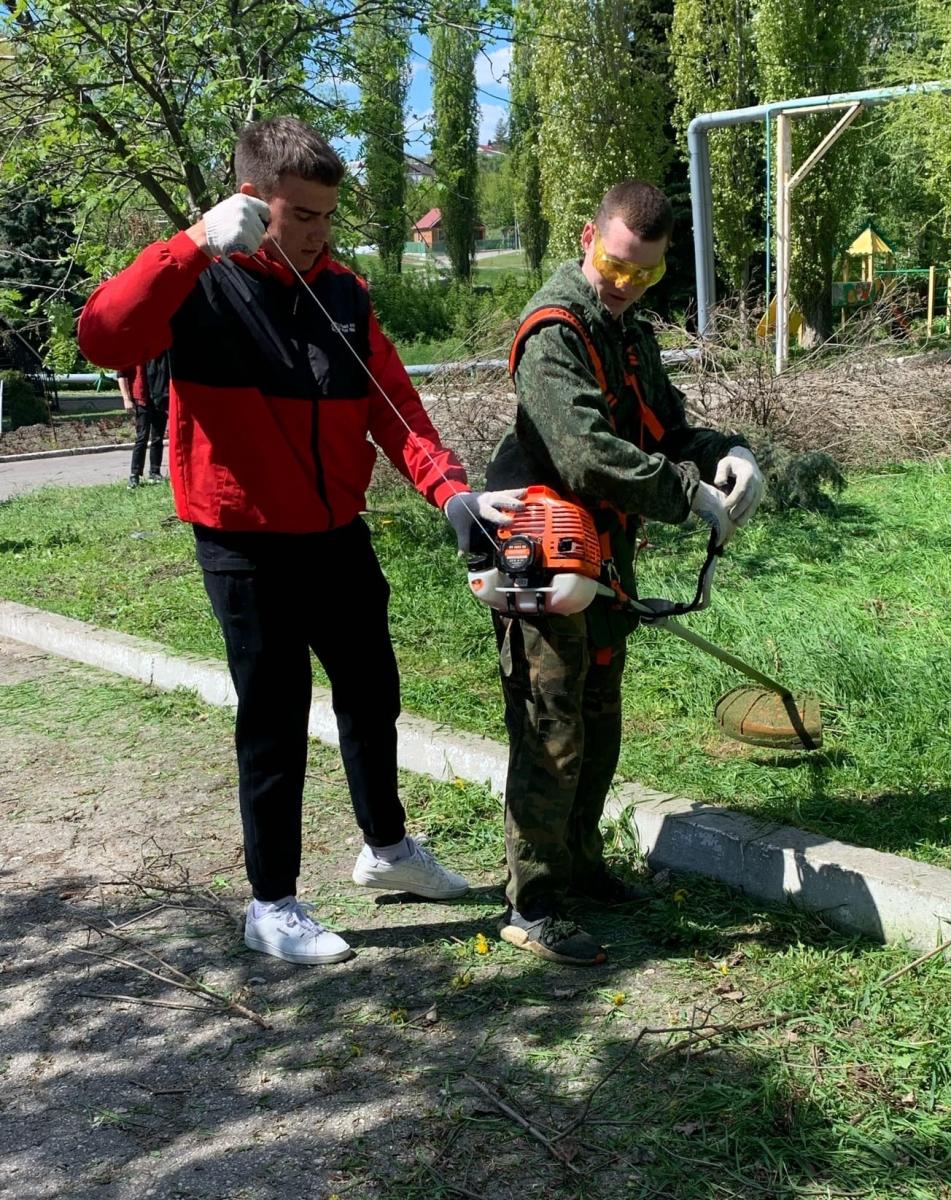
(492, 150)
(428, 229)
(418, 170)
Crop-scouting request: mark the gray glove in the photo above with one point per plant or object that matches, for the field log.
(710, 506)
(236, 225)
(470, 512)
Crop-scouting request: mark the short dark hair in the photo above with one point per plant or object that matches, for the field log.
(267, 150)
(643, 208)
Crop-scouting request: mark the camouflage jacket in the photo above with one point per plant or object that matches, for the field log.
(564, 435)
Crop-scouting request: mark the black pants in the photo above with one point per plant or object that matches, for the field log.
(150, 422)
(334, 603)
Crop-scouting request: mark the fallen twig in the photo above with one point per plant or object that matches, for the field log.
(140, 1000)
(160, 1091)
(917, 963)
(529, 1128)
(715, 1031)
(182, 981)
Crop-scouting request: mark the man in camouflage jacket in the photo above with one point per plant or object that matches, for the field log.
(620, 444)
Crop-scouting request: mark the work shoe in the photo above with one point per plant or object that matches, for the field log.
(133, 482)
(552, 937)
(286, 930)
(417, 872)
(608, 888)
(153, 478)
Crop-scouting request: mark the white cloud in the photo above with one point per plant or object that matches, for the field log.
(492, 69)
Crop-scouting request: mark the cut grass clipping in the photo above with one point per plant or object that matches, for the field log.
(851, 606)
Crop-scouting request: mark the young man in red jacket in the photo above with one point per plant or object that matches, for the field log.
(270, 456)
(145, 392)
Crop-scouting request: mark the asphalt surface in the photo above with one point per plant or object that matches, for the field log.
(75, 470)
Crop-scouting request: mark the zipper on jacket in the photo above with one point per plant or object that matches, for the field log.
(318, 465)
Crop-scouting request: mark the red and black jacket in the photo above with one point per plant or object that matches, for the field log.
(270, 415)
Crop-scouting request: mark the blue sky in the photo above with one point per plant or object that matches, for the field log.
(492, 65)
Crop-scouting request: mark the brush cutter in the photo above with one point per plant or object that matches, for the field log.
(549, 561)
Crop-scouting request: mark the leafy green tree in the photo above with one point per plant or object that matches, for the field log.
(36, 270)
(599, 72)
(810, 49)
(148, 99)
(523, 141)
(454, 46)
(908, 185)
(714, 67)
(381, 58)
(496, 193)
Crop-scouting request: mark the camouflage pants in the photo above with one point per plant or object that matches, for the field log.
(563, 715)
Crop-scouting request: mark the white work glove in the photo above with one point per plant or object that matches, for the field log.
(236, 225)
(710, 506)
(467, 512)
(741, 478)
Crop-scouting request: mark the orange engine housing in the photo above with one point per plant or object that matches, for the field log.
(563, 533)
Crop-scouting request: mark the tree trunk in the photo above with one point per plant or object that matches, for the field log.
(816, 312)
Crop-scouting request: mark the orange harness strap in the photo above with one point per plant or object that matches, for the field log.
(555, 315)
(649, 418)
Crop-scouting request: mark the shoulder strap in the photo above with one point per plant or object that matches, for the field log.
(649, 419)
(555, 315)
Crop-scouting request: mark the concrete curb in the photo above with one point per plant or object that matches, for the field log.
(883, 896)
(68, 452)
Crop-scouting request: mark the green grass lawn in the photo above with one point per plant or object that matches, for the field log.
(852, 606)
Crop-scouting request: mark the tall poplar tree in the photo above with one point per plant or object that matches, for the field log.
(811, 49)
(523, 145)
(601, 84)
(381, 58)
(714, 67)
(455, 134)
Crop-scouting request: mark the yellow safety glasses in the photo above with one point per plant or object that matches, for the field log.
(621, 271)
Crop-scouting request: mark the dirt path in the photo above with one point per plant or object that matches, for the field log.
(118, 817)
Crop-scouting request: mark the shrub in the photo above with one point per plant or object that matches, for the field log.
(798, 480)
(419, 305)
(22, 405)
(412, 305)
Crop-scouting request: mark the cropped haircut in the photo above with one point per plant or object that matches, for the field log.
(643, 208)
(268, 150)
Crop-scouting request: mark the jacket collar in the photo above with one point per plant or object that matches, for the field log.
(261, 264)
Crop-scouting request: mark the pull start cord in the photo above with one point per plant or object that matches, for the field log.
(376, 383)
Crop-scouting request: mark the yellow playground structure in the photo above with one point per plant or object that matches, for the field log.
(869, 276)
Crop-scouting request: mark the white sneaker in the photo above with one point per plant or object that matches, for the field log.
(418, 873)
(286, 930)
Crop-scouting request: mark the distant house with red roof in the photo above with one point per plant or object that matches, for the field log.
(429, 229)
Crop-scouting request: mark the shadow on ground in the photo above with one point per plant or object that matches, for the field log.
(381, 1077)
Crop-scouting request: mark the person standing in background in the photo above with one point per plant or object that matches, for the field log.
(145, 392)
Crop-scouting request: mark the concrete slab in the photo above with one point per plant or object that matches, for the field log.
(882, 896)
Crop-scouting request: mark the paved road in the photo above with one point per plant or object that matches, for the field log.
(77, 470)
